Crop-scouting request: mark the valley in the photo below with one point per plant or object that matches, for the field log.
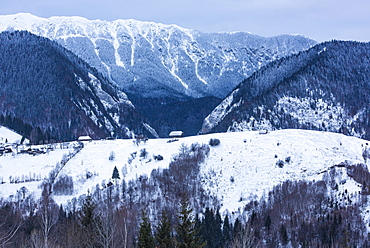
(273, 152)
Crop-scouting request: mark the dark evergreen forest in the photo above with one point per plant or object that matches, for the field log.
(46, 93)
(168, 114)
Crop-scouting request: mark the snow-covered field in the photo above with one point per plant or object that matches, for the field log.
(10, 136)
(243, 167)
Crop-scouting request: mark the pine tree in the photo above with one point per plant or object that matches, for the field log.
(187, 233)
(89, 220)
(268, 222)
(211, 229)
(218, 229)
(237, 228)
(227, 231)
(164, 233)
(87, 212)
(145, 238)
(283, 235)
(115, 174)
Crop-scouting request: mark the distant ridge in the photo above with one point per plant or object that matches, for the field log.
(325, 88)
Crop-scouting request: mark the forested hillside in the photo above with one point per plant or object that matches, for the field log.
(48, 93)
(168, 114)
(324, 88)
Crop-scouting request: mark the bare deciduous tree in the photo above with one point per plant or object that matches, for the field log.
(5, 237)
(48, 213)
(245, 239)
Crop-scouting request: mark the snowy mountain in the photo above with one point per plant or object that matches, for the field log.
(324, 88)
(154, 60)
(48, 93)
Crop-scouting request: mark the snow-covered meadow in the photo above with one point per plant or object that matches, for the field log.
(243, 167)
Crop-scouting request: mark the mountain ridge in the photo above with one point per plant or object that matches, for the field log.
(324, 88)
(149, 59)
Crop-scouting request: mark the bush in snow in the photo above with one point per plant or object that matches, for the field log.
(158, 157)
(232, 179)
(143, 153)
(280, 163)
(288, 159)
(88, 174)
(214, 142)
(124, 170)
(112, 156)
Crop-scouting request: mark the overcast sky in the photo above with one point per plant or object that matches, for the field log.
(318, 19)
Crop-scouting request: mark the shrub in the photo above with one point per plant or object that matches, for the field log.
(158, 157)
(214, 142)
(88, 174)
(288, 159)
(280, 163)
(143, 153)
(112, 156)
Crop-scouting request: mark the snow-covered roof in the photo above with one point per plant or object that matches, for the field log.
(83, 138)
(176, 134)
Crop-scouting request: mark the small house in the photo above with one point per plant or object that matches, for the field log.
(176, 134)
(84, 138)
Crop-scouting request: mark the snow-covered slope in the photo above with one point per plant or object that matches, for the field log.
(11, 137)
(242, 168)
(324, 88)
(151, 59)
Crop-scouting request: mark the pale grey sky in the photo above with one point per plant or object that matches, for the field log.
(318, 19)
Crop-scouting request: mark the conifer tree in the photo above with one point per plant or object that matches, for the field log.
(227, 231)
(115, 174)
(87, 212)
(218, 229)
(164, 233)
(211, 229)
(283, 234)
(237, 228)
(187, 233)
(89, 220)
(145, 238)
